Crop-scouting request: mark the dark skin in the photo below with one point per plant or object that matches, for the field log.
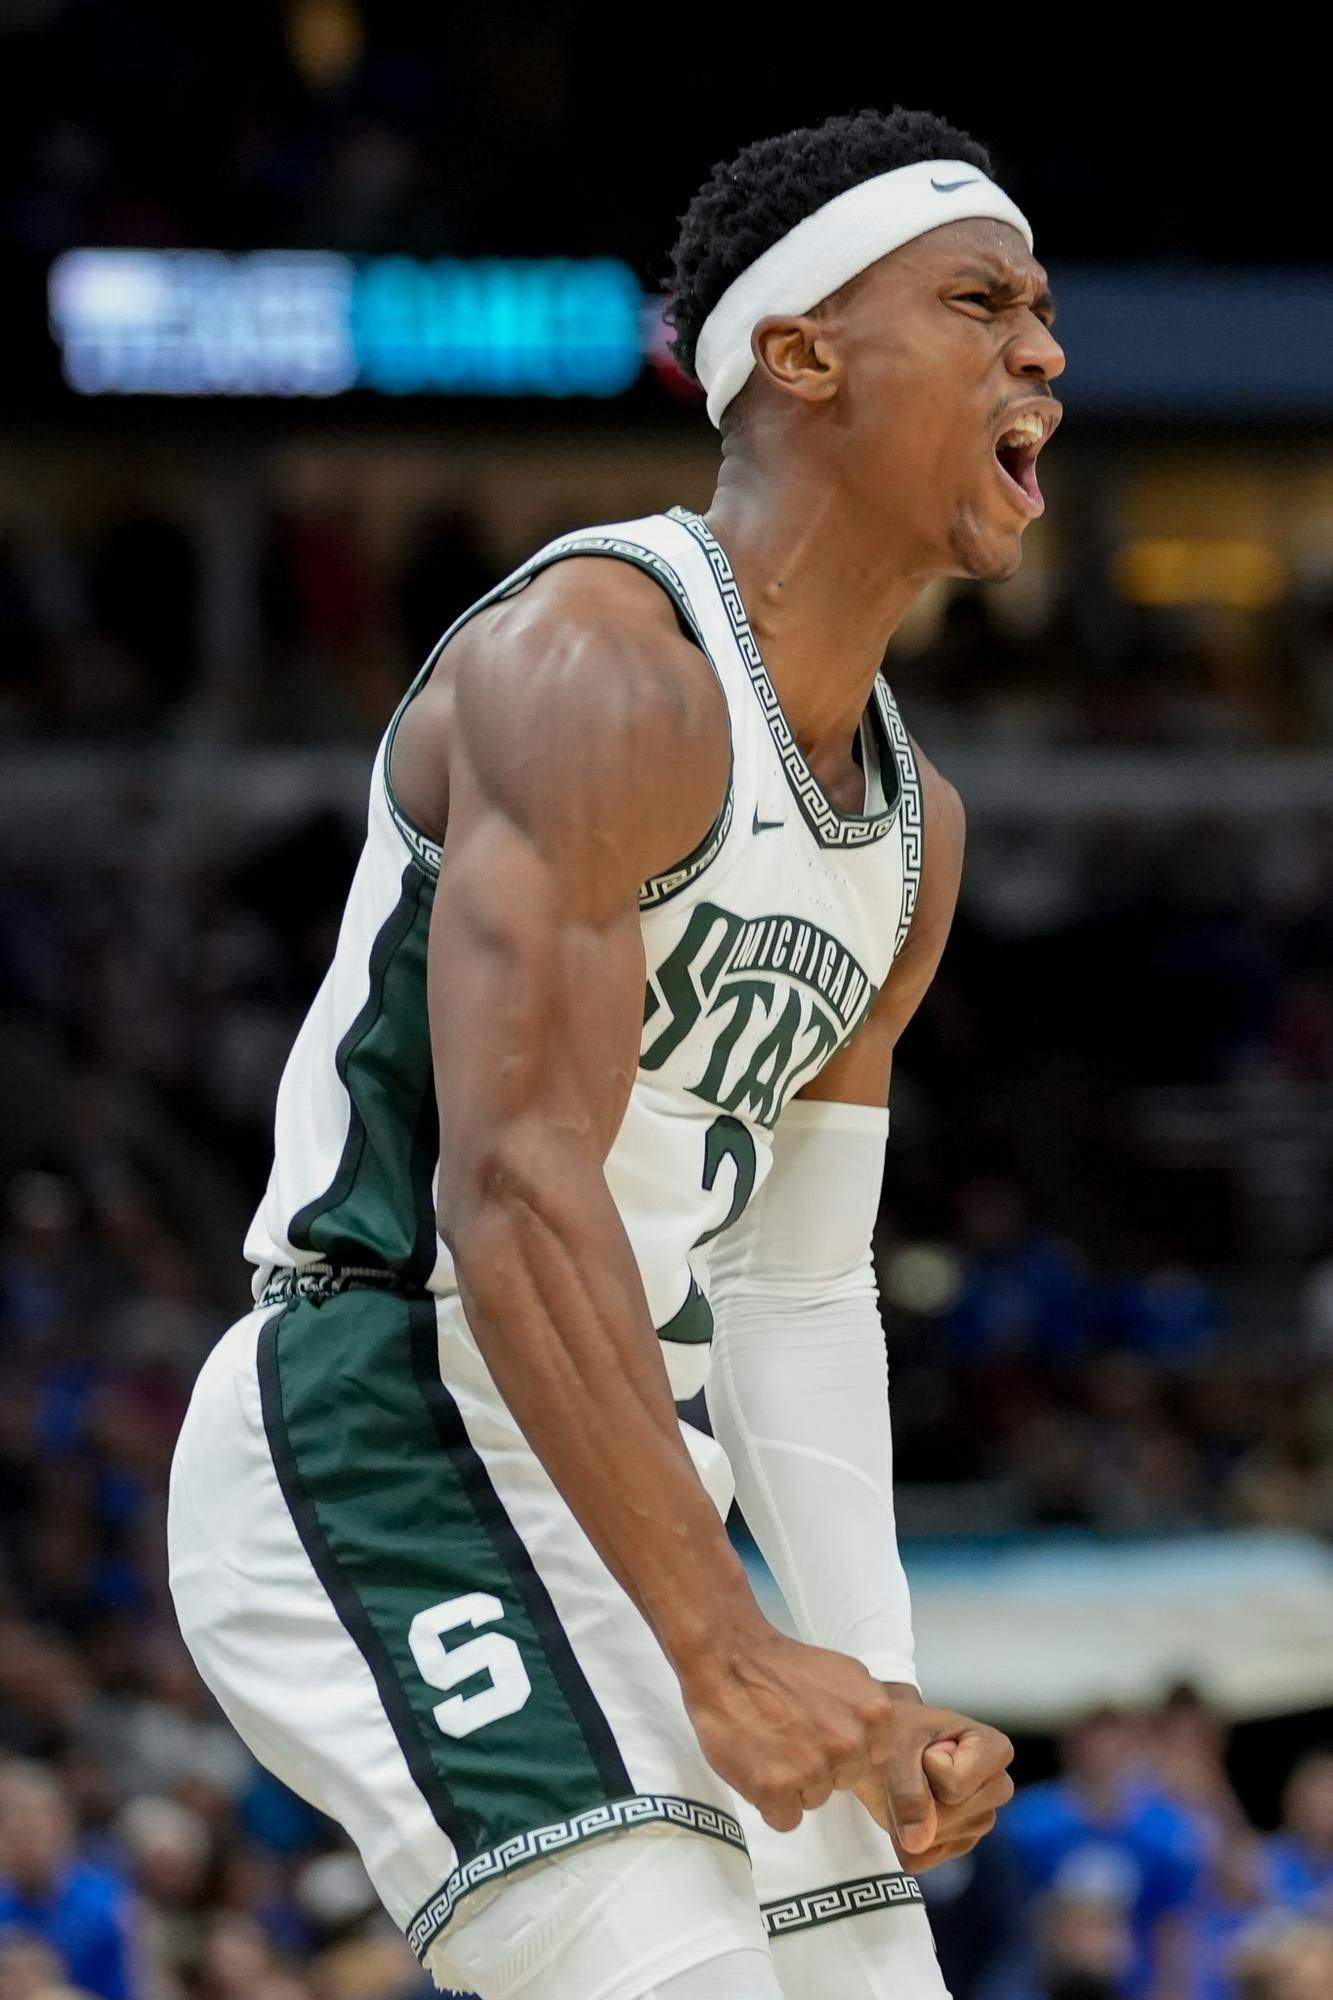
(858, 465)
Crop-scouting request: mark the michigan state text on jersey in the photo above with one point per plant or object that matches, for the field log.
(763, 953)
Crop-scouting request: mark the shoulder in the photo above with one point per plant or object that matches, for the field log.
(944, 835)
(581, 701)
(944, 829)
(592, 649)
(941, 803)
(594, 630)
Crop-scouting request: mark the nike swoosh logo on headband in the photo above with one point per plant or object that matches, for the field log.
(947, 187)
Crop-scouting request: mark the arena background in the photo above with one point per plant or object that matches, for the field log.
(316, 319)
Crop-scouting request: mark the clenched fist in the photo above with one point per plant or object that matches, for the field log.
(787, 1725)
(947, 1779)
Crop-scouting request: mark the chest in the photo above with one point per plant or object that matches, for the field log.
(759, 976)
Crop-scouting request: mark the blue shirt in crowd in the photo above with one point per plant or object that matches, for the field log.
(1147, 1856)
(1301, 1879)
(88, 1919)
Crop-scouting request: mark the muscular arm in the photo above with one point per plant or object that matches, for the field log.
(579, 764)
(585, 748)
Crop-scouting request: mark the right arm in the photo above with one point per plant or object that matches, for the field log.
(583, 757)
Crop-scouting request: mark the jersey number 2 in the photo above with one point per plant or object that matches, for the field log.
(728, 1139)
(492, 1654)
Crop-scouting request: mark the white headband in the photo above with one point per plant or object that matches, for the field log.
(834, 245)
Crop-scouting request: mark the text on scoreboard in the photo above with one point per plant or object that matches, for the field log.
(315, 323)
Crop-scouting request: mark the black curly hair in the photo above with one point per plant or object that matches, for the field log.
(748, 203)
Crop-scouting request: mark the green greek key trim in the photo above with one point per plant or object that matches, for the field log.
(910, 815)
(616, 1816)
(840, 1899)
(830, 827)
(660, 889)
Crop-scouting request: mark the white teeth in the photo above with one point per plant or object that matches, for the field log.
(1027, 429)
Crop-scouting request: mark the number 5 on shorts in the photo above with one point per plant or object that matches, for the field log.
(492, 1654)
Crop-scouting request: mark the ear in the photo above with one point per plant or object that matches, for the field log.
(798, 356)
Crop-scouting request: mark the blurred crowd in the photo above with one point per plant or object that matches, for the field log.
(101, 620)
(339, 124)
(1108, 1188)
(1051, 1337)
(1104, 1246)
(1136, 1870)
(317, 122)
(1143, 1411)
(143, 1856)
(101, 624)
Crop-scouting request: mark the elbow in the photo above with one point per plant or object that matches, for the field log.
(491, 1207)
(484, 1242)
(474, 1204)
(446, 1226)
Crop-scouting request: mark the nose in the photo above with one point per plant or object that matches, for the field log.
(1035, 355)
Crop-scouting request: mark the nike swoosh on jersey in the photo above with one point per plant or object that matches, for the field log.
(764, 825)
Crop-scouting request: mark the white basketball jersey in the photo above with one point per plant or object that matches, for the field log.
(764, 949)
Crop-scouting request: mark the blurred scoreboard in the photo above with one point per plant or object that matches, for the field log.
(314, 323)
(1239, 346)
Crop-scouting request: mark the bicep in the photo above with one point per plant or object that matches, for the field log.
(536, 968)
(535, 1001)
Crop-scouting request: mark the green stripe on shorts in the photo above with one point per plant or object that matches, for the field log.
(428, 1574)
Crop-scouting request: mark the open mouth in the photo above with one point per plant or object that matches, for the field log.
(1016, 455)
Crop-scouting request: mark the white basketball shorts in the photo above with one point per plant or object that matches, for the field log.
(401, 1617)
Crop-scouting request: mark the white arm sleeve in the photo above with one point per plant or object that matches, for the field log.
(798, 1385)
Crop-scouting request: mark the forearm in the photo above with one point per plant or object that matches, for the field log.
(798, 1392)
(555, 1302)
(799, 1401)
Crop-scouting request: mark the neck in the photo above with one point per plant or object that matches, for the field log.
(822, 590)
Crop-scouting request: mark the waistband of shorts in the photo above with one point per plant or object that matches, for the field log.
(314, 1283)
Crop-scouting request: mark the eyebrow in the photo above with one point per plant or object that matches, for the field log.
(1004, 285)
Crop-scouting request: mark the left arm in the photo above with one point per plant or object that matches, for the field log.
(798, 1393)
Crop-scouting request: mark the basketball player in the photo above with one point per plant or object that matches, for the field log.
(594, 1095)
